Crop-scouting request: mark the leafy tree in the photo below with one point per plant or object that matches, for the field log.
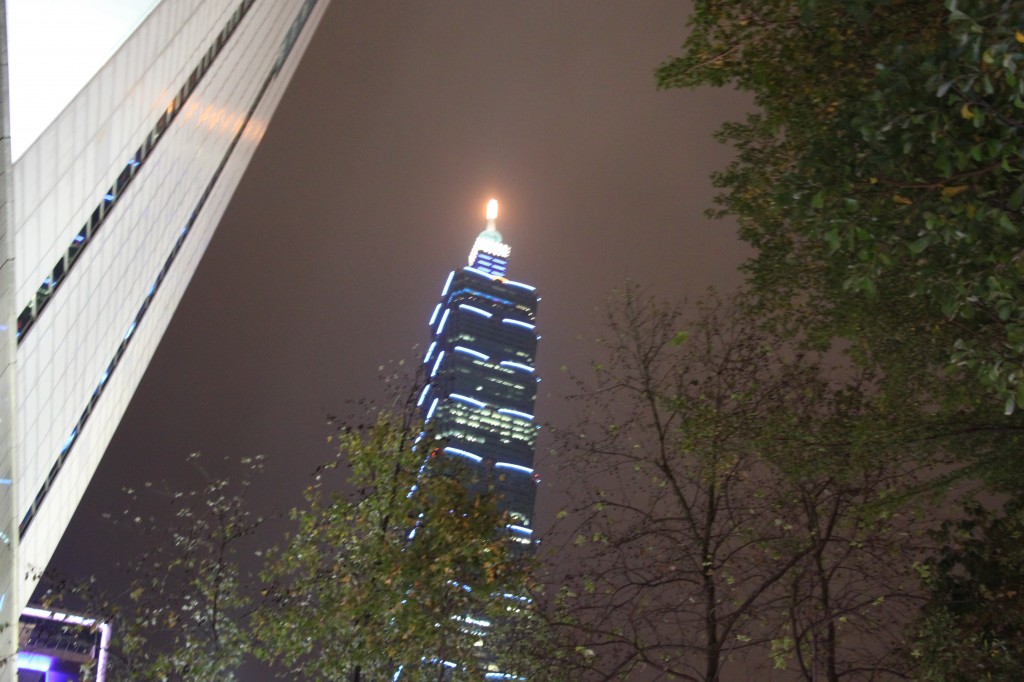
(181, 608)
(880, 176)
(853, 509)
(736, 506)
(393, 565)
(973, 625)
(409, 573)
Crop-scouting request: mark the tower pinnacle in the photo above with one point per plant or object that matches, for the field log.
(489, 253)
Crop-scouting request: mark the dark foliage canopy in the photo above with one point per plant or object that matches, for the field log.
(880, 177)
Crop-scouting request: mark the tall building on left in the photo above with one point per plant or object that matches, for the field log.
(104, 216)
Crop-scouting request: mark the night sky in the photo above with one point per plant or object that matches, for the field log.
(370, 185)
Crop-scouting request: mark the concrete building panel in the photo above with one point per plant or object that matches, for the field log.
(145, 195)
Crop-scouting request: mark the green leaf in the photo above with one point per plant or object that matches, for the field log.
(920, 244)
(832, 239)
(1016, 199)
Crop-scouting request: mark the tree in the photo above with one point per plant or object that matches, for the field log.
(393, 565)
(735, 505)
(411, 573)
(973, 624)
(848, 598)
(880, 177)
(181, 606)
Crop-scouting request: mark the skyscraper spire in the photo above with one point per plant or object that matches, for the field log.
(489, 253)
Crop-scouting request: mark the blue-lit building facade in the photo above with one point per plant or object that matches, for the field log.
(482, 385)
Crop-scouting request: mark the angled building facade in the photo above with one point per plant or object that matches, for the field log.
(105, 217)
(482, 378)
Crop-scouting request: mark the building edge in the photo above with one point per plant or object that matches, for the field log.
(36, 550)
(9, 600)
(20, 565)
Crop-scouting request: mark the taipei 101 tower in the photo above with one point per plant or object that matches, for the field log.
(482, 380)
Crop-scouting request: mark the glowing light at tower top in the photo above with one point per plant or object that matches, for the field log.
(489, 253)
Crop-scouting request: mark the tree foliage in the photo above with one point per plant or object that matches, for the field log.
(973, 625)
(396, 563)
(180, 610)
(737, 506)
(408, 574)
(880, 177)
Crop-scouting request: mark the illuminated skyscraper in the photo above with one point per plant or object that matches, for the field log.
(106, 208)
(482, 387)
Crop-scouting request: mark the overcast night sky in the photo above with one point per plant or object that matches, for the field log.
(370, 185)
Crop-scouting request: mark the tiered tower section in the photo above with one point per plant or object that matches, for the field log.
(482, 380)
